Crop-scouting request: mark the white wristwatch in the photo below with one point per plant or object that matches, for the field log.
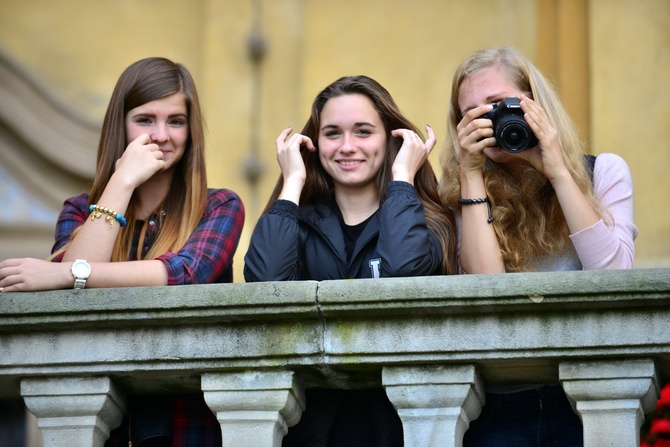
(80, 270)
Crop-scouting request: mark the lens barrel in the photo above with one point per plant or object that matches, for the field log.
(513, 133)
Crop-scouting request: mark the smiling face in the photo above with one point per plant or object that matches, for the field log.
(352, 141)
(165, 120)
(488, 86)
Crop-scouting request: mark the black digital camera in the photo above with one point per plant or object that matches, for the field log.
(512, 132)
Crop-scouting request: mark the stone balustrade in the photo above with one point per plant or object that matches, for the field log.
(434, 344)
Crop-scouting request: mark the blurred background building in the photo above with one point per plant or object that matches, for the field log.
(259, 63)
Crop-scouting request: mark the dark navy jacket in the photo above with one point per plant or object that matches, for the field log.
(306, 242)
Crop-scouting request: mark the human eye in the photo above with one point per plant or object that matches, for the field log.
(331, 132)
(365, 130)
(177, 122)
(142, 120)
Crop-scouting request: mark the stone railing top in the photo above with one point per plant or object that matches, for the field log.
(299, 300)
(514, 327)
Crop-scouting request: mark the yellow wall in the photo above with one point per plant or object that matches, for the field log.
(630, 73)
(612, 56)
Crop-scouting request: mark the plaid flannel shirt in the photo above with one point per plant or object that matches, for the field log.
(207, 256)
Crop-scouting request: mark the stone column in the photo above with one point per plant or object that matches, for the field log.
(74, 411)
(255, 408)
(611, 398)
(435, 403)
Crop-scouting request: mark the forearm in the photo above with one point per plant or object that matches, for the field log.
(291, 190)
(609, 243)
(406, 246)
(274, 244)
(578, 213)
(479, 247)
(95, 239)
(127, 274)
(29, 274)
(600, 248)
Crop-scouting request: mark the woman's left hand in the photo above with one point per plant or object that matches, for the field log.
(413, 153)
(30, 274)
(548, 158)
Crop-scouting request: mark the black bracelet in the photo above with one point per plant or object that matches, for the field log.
(476, 202)
(473, 201)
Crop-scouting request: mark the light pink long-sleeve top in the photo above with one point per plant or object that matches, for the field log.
(607, 244)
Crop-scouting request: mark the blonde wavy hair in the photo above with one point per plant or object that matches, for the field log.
(528, 219)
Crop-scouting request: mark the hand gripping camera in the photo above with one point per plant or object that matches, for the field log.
(512, 132)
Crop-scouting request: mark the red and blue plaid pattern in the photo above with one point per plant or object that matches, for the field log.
(208, 254)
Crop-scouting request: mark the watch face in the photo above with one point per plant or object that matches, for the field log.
(80, 269)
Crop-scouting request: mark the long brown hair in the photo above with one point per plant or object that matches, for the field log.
(144, 81)
(528, 219)
(319, 184)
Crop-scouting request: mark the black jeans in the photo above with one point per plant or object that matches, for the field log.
(541, 417)
(346, 418)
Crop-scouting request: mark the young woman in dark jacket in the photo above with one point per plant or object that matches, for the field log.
(357, 198)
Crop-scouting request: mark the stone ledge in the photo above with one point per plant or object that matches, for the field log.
(337, 333)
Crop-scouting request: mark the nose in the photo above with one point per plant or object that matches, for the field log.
(347, 143)
(160, 134)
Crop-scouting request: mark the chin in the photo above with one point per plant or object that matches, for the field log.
(499, 155)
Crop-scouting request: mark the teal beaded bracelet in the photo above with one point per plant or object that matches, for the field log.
(97, 211)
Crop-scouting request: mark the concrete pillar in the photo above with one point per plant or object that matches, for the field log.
(74, 411)
(611, 398)
(255, 408)
(435, 403)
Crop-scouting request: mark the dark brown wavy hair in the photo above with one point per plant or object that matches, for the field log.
(319, 184)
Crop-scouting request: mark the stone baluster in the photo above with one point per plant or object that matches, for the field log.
(611, 398)
(435, 403)
(74, 411)
(254, 408)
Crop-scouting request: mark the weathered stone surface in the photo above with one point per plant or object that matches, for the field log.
(511, 328)
(74, 411)
(254, 408)
(611, 397)
(435, 403)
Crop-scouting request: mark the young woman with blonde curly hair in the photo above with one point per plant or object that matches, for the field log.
(527, 198)
(547, 212)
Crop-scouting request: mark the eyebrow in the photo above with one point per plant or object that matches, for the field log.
(357, 124)
(153, 115)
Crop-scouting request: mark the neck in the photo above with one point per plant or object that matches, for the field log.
(152, 193)
(359, 205)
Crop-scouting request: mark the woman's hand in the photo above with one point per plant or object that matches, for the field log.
(474, 135)
(139, 162)
(291, 163)
(30, 274)
(547, 157)
(413, 153)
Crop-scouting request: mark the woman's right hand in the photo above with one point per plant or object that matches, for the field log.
(474, 135)
(30, 274)
(140, 161)
(291, 163)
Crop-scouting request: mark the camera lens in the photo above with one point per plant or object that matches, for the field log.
(513, 134)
